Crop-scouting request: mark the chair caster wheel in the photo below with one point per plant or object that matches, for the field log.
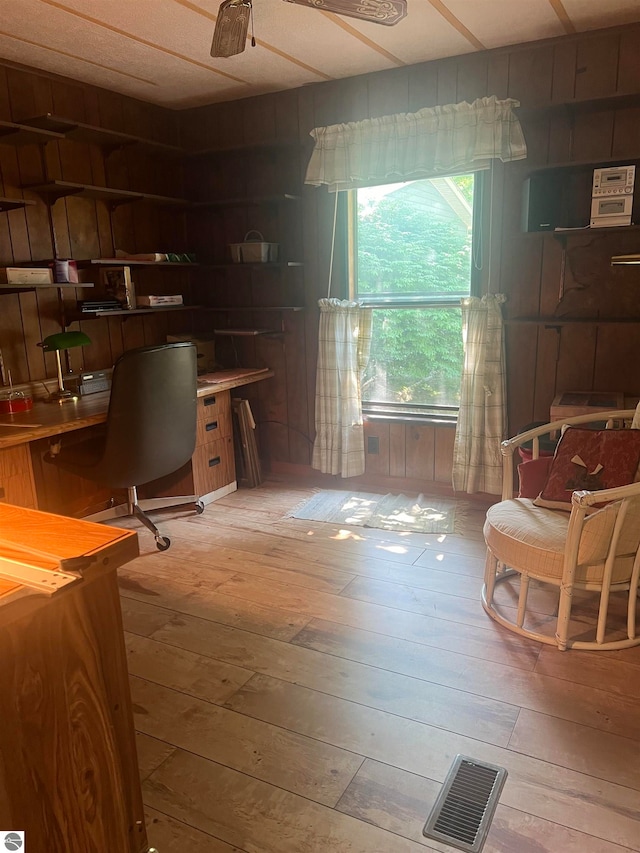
(162, 543)
(199, 507)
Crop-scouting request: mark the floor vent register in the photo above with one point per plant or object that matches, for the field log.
(462, 814)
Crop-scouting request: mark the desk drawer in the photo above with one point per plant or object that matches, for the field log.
(214, 426)
(213, 465)
(211, 405)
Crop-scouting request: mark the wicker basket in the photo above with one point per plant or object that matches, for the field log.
(254, 250)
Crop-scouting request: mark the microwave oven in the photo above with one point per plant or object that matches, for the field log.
(611, 210)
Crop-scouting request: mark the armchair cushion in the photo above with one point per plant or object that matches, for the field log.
(533, 475)
(533, 539)
(592, 460)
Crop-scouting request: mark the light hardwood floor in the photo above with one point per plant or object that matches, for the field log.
(302, 687)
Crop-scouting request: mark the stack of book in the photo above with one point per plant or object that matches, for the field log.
(158, 301)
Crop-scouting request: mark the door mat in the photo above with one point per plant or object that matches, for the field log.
(419, 514)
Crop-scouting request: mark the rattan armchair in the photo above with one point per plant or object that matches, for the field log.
(588, 548)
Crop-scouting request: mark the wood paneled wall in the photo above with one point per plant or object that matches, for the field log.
(540, 276)
(542, 359)
(84, 228)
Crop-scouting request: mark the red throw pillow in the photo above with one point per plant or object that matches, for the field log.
(592, 460)
(533, 476)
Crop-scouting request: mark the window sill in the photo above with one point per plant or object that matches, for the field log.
(412, 418)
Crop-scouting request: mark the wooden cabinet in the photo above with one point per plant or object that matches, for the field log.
(16, 476)
(68, 768)
(213, 464)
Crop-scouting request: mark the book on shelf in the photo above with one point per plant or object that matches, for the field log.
(87, 306)
(157, 301)
(118, 285)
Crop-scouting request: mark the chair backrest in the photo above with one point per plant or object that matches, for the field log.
(151, 424)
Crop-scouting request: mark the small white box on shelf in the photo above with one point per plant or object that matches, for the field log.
(26, 275)
(157, 301)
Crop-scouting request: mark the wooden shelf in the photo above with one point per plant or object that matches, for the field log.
(127, 312)
(62, 285)
(579, 107)
(19, 134)
(247, 202)
(125, 262)
(14, 203)
(54, 190)
(563, 233)
(226, 309)
(245, 333)
(567, 321)
(258, 266)
(94, 135)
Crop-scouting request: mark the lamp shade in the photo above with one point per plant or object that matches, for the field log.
(65, 340)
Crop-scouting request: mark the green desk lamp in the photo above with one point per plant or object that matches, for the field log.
(55, 343)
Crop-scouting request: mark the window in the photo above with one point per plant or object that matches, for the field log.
(411, 260)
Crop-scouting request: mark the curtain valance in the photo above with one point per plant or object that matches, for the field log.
(435, 140)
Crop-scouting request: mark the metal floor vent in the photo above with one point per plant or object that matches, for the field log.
(462, 814)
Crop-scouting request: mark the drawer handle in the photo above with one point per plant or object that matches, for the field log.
(210, 401)
(213, 462)
(211, 425)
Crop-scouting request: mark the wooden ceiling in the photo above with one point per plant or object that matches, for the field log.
(158, 50)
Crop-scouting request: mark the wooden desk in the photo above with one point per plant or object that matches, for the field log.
(21, 474)
(68, 766)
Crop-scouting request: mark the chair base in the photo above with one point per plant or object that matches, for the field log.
(138, 509)
(489, 607)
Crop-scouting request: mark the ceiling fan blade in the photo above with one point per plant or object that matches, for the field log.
(232, 25)
(387, 12)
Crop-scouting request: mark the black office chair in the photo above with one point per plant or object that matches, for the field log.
(150, 431)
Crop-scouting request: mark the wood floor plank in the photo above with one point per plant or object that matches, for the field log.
(575, 800)
(614, 675)
(256, 816)
(331, 535)
(398, 694)
(579, 703)
(330, 532)
(372, 593)
(151, 753)
(370, 644)
(197, 557)
(142, 618)
(286, 759)
(332, 565)
(399, 801)
(263, 537)
(290, 555)
(581, 748)
(456, 609)
(187, 672)
(210, 605)
(172, 836)
(490, 642)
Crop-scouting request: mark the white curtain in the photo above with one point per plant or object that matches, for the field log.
(436, 140)
(482, 418)
(343, 351)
